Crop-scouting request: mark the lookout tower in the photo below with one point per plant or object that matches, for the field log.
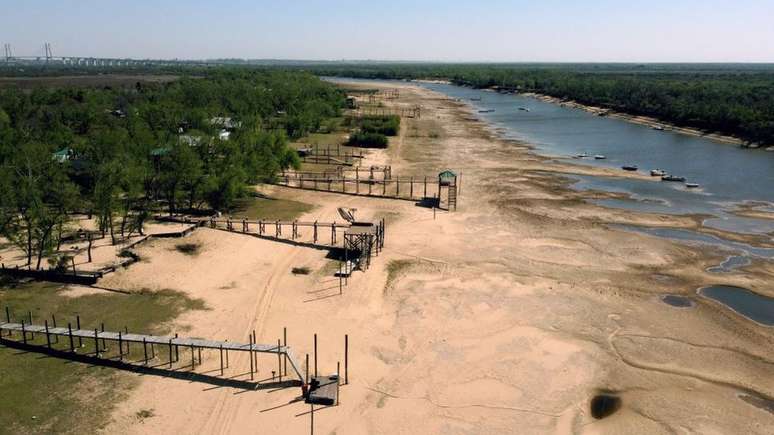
(447, 180)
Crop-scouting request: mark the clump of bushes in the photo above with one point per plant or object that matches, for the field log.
(371, 140)
(372, 131)
(386, 125)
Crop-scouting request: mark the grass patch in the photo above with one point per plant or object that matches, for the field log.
(191, 249)
(270, 208)
(42, 394)
(396, 269)
(301, 270)
(144, 413)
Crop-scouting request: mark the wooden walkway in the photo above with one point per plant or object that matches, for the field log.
(406, 188)
(152, 342)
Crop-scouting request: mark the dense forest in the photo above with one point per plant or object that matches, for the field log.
(730, 99)
(119, 152)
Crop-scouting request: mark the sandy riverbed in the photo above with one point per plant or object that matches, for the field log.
(506, 316)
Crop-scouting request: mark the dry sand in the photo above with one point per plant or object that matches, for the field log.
(506, 316)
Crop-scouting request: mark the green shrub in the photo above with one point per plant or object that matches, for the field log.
(370, 140)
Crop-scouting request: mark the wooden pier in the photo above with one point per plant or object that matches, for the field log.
(154, 348)
(440, 192)
(329, 155)
(405, 112)
(323, 234)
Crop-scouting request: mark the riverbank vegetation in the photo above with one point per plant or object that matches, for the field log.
(122, 152)
(732, 99)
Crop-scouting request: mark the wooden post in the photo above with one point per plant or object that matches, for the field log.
(285, 343)
(315, 355)
(70, 334)
(177, 350)
(255, 354)
(397, 186)
(78, 327)
(48, 337)
(193, 358)
(145, 350)
(104, 344)
(24, 333)
(425, 194)
(89, 250)
(251, 357)
(96, 343)
(53, 322)
(411, 189)
(7, 315)
(338, 380)
(279, 359)
(170, 353)
(120, 347)
(72, 260)
(221, 359)
(315, 231)
(346, 359)
(307, 370)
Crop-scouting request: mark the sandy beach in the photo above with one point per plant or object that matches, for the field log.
(506, 316)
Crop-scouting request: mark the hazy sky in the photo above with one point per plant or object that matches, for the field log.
(450, 30)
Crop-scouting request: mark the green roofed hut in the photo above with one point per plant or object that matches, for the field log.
(447, 180)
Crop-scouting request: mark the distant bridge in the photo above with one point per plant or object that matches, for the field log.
(47, 58)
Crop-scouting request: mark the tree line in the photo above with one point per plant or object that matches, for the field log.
(119, 153)
(733, 99)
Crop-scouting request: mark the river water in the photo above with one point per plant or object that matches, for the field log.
(728, 175)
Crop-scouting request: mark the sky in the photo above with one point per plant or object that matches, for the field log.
(450, 30)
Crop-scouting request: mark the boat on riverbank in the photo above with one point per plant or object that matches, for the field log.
(673, 178)
(629, 167)
(599, 157)
(657, 172)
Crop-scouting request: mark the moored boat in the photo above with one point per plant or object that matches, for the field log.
(673, 178)
(629, 167)
(600, 157)
(692, 185)
(657, 172)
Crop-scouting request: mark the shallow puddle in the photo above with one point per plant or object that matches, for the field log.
(759, 402)
(677, 301)
(751, 305)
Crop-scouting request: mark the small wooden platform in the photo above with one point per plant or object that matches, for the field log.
(324, 390)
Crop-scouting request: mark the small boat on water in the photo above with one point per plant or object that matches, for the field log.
(657, 172)
(658, 128)
(629, 167)
(673, 178)
(582, 155)
(691, 185)
(524, 109)
(599, 157)
(475, 99)
(486, 111)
